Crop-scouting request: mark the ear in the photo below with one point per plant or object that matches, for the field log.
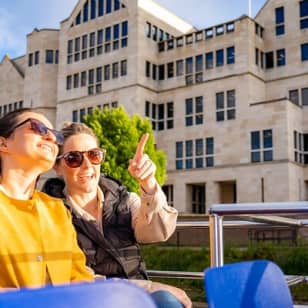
(3, 145)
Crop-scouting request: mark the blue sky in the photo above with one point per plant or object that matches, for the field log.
(18, 17)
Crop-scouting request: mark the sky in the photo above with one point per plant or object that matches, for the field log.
(20, 17)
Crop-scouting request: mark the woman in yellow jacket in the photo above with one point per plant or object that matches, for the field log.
(38, 243)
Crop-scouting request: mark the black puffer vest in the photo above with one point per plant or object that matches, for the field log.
(115, 253)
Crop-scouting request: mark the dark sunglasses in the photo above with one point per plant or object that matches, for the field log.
(41, 129)
(74, 159)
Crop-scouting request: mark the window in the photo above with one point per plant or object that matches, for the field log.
(107, 72)
(124, 28)
(83, 81)
(98, 74)
(209, 60)
(303, 13)
(281, 57)
(76, 80)
(148, 29)
(179, 155)
(293, 96)
(170, 70)
(219, 57)
(30, 59)
(107, 34)
(100, 7)
(108, 6)
(168, 191)
(91, 77)
(198, 153)
(86, 12)
(194, 111)
(279, 19)
(225, 111)
(257, 56)
(161, 115)
(198, 199)
(116, 5)
(209, 33)
(305, 96)
(123, 67)
(261, 145)
(37, 57)
(115, 70)
(49, 56)
(189, 71)
(75, 116)
(179, 67)
(78, 19)
(219, 30)
(154, 33)
(161, 72)
(304, 52)
(93, 9)
(116, 31)
(269, 60)
(147, 69)
(230, 27)
(199, 68)
(68, 82)
(230, 55)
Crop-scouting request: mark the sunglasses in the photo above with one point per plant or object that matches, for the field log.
(74, 159)
(41, 129)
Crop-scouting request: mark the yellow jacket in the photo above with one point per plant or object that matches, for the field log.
(38, 243)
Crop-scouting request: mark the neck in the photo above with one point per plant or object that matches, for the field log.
(84, 200)
(18, 184)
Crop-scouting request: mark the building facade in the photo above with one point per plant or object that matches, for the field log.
(228, 104)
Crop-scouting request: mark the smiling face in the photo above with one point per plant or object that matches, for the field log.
(83, 179)
(25, 147)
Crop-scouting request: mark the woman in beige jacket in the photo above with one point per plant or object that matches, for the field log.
(109, 220)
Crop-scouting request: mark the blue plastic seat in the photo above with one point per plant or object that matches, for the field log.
(111, 294)
(251, 284)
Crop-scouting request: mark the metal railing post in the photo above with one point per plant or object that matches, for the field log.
(216, 240)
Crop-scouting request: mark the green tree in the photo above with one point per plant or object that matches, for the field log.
(119, 134)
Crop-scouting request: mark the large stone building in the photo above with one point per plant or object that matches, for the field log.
(229, 104)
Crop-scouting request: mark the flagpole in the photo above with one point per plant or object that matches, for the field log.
(249, 9)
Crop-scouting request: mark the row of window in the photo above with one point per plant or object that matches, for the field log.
(280, 18)
(193, 37)
(267, 59)
(296, 98)
(97, 8)
(155, 33)
(162, 115)
(271, 59)
(198, 153)
(193, 65)
(93, 78)
(51, 56)
(95, 43)
(300, 147)
(77, 115)
(4, 109)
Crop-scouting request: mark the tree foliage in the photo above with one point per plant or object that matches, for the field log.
(119, 134)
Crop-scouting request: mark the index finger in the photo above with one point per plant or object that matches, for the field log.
(141, 145)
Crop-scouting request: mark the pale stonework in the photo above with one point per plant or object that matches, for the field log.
(261, 95)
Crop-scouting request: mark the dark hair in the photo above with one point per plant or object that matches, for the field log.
(9, 121)
(71, 129)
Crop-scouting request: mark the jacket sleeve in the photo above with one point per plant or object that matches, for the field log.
(152, 219)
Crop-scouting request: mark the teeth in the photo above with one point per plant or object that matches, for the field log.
(47, 147)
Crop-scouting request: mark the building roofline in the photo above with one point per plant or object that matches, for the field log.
(263, 6)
